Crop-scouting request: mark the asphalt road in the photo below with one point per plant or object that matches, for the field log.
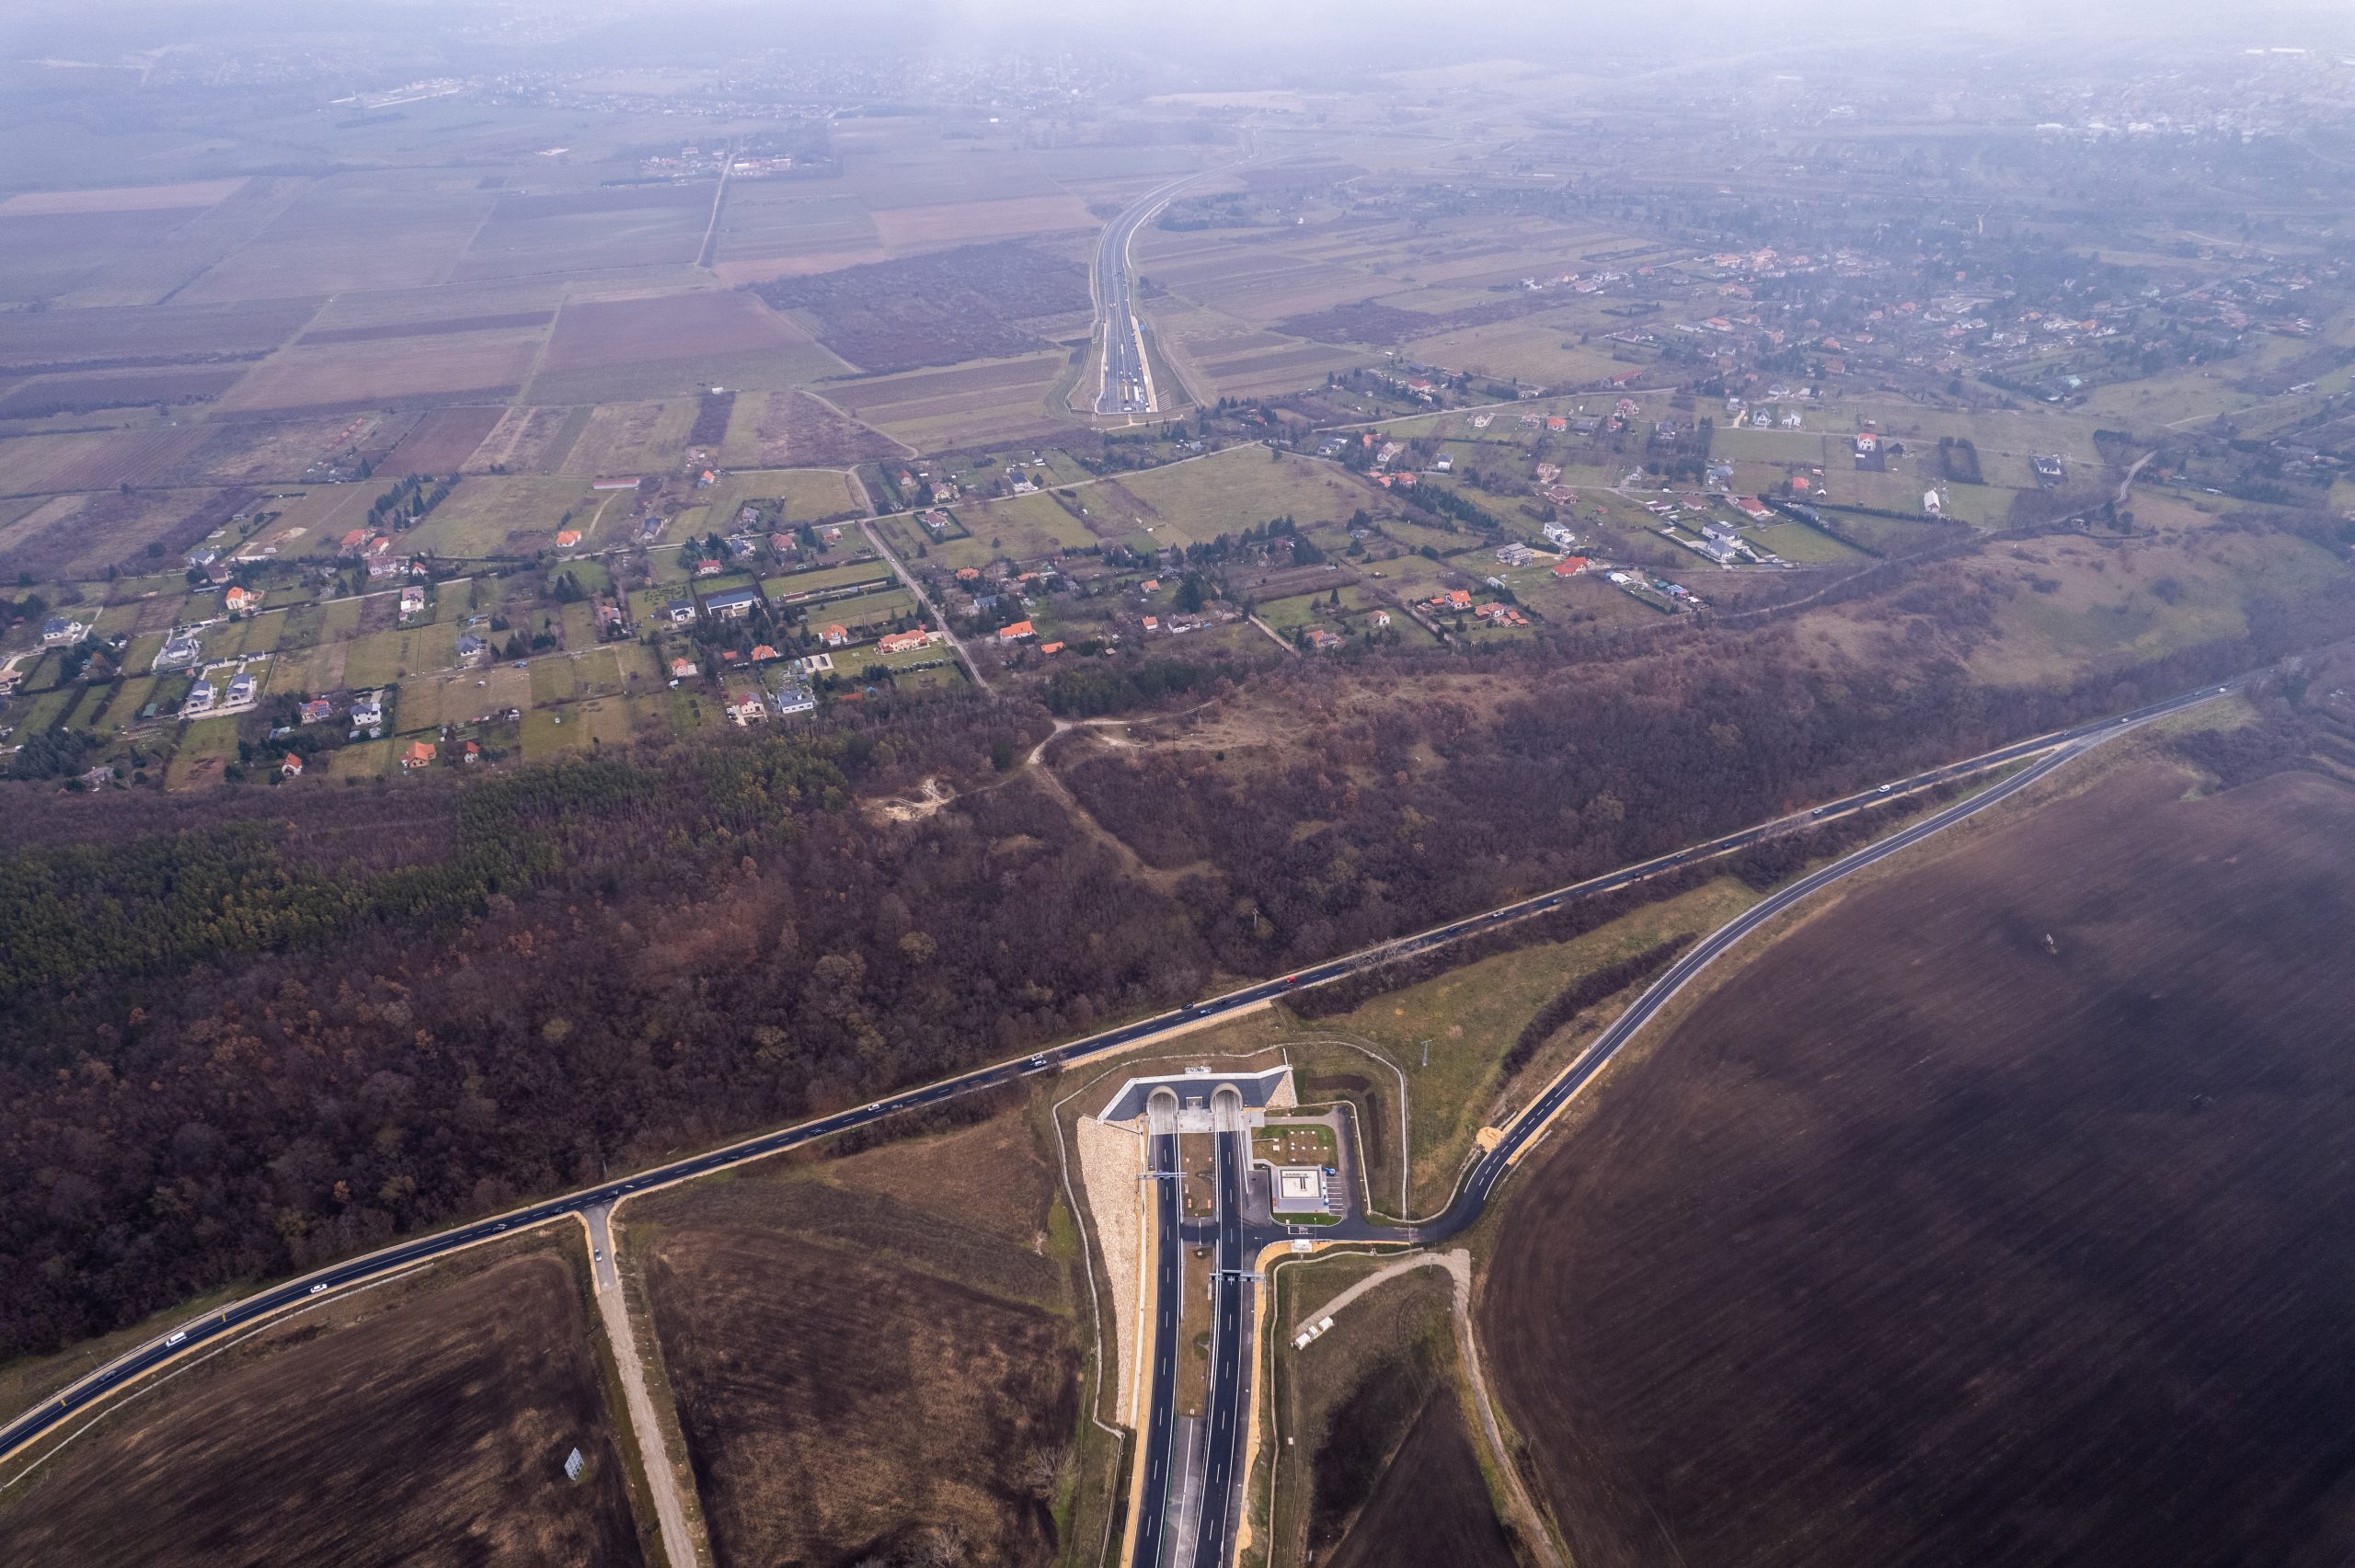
(134, 1364)
(1228, 1384)
(1125, 388)
(1160, 1153)
(1224, 1422)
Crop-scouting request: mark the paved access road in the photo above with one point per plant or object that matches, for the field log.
(1160, 1155)
(130, 1368)
(1229, 1386)
(1229, 1339)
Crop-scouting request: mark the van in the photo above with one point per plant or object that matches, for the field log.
(177, 1338)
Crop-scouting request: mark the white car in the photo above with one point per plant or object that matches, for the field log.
(317, 1288)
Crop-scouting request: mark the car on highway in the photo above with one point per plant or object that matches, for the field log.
(177, 1338)
(317, 1288)
(1035, 1064)
(1885, 789)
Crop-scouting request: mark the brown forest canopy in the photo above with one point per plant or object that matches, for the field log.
(281, 1033)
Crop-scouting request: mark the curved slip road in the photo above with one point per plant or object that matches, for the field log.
(130, 1368)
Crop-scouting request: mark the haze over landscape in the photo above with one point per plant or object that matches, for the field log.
(1189, 786)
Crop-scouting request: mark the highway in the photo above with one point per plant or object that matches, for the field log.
(132, 1366)
(1160, 1155)
(1222, 1415)
(1229, 1385)
(1127, 385)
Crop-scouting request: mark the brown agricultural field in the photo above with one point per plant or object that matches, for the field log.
(441, 327)
(872, 1348)
(632, 438)
(421, 1423)
(1431, 1504)
(158, 335)
(121, 197)
(530, 440)
(45, 396)
(595, 333)
(32, 465)
(1989, 1217)
(975, 302)
(352, 233)
(250, 451)
(82, 535)
(773, 430)
(396, 370)
(961, 223)
(442, 442)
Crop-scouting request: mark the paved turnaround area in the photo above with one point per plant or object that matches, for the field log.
(135, 1364)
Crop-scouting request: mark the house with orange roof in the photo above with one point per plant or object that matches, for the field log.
(566, 538)
(292, 767)
(836, 636)
(421, 754)
(239, 600)
(1016, 632)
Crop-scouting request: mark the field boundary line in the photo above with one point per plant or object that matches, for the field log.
(100, 1412)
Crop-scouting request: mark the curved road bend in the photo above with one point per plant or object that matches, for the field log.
(1127, 386)
(135, 1364)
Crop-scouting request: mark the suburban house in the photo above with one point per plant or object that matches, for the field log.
(745, 707)
(907, 642)
(318, 710)
(763, 653)
(240, 599)
(472, 753)
(1569, 566)
(791, 700)
(199, 699)
(733, 605)
(367, 711)
(1379, 620)
(1320, 640)
(291, 767)
(836, 636)
(681, 667)
(1016, 632)
(179, 651)
(1559, 533)
(566, 538)
(471, 648)
(707, 568)
(241, 689)
(60, 630)
(682, 613)
(1516, 553)
(412, 601)
(1752, 507)
(421, 754)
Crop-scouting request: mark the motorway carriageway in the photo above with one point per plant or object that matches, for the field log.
(135, 1364)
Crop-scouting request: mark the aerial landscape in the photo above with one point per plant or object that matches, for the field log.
(992, 782)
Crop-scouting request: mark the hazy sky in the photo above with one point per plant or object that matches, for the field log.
(1261, 35)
